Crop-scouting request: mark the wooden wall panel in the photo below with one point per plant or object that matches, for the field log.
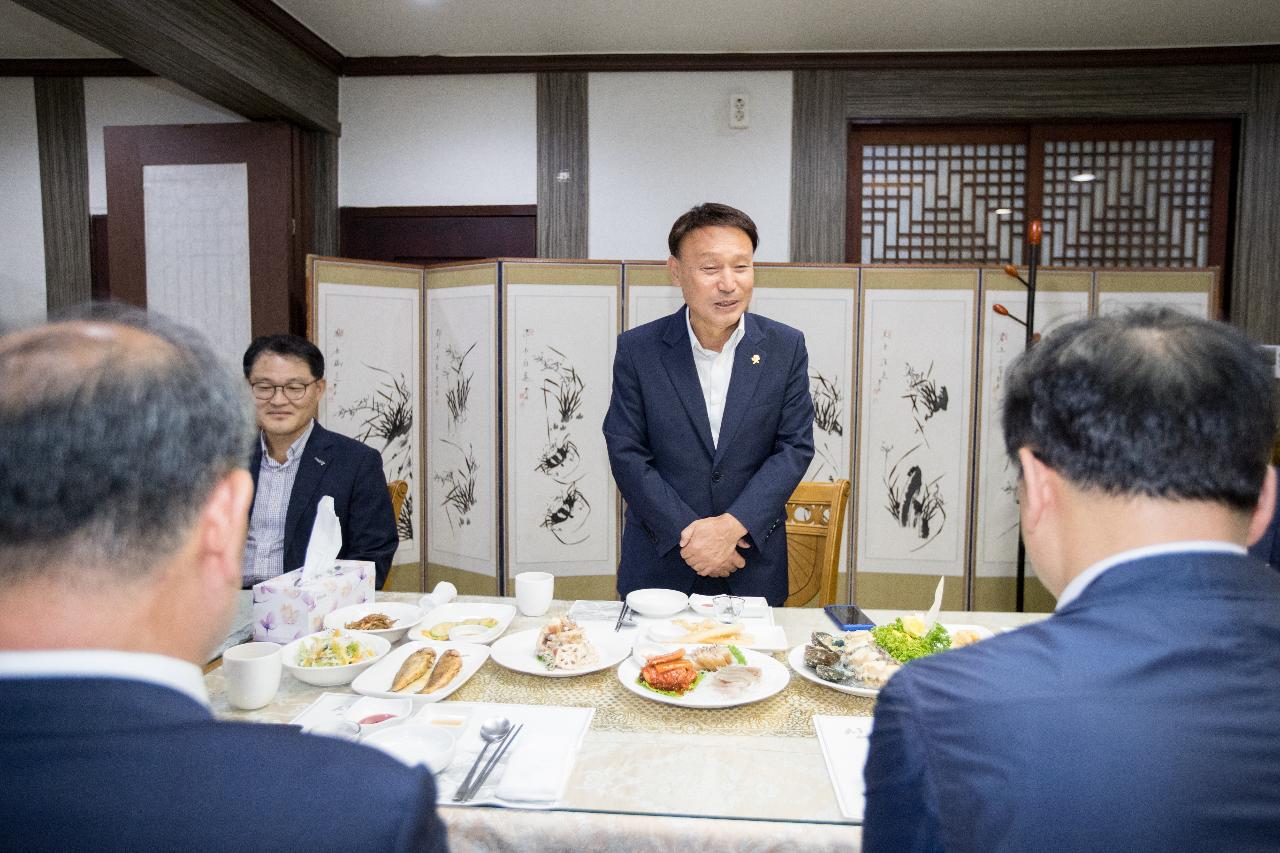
(1255, 298)
(562, 165)
(214, 48)
(64, 190)
(320, 191)
(818, 166)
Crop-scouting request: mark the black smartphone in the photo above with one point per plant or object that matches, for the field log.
(849, 617)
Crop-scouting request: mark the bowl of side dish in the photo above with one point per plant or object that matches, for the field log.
(390, 620)
(334, 657)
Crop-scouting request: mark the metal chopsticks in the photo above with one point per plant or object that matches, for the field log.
(491, 764)
(622, 616)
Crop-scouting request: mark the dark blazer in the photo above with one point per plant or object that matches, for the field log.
(1268, 547)
(108, 764)
(1145, 715)
(670, 473)
(351, 473)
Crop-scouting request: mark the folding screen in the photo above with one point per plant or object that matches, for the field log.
(366, 319)
(561, 512)
(462, 430)
(914, 435)
(822, 303)
(650, 293)
(1060, 297)
(1194, 292)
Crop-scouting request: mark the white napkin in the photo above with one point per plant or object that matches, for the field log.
(537, 769)
(845, 741)
(326, 542)
(442, 594)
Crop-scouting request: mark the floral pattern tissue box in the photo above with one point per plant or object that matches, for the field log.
(285, 608)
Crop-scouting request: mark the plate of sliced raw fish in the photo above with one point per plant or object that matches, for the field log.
(422, 670)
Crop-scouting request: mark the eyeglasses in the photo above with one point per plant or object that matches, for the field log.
(294, 391)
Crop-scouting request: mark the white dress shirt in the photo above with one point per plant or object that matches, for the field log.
(715, 369)
(1089, 575)
(161, 670)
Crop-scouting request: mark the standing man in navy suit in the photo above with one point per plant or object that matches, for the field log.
(710, 425)
(123, 499)
(1144, 714)
(296, 462)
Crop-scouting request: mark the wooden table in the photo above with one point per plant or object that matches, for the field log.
(655, 791)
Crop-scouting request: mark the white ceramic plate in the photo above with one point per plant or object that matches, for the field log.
(796, 658)
(657, 602)
(376, 680)
(763, 636)
(516, 652)
(457, 612)
(405, 616)
(774, 678)
(753, 606)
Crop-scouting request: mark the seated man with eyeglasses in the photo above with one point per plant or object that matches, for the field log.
(296, 462)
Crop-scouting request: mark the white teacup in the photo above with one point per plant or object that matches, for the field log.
(252, 674)
(534, 591)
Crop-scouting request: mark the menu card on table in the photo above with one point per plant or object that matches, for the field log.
(844, 742)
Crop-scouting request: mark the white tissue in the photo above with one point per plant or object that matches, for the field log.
(442, 594)
(325, 543)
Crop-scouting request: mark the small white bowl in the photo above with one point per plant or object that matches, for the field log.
(657, 602)
(371, 706)
(332, 676)
(405, 616)
(429, 745)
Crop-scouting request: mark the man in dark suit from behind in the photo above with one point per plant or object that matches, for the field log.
(123, 499)
(296, 462)
(1144, 714)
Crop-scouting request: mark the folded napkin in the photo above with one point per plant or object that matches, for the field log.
(844, 742)
(537, 769)
(325, 542)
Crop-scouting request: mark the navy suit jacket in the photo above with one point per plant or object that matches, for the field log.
(351, 473)
(1268, 547)
(108, 765)
(1144, 715)
(670, 473)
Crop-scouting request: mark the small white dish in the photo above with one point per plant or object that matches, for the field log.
(502, 614)
(429, 745)
(332, 676)
(405, 616)
(657, 603)
(370, 711)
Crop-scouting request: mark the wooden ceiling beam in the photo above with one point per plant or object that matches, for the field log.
(216, 48)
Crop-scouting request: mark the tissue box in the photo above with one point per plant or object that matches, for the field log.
(286, 608)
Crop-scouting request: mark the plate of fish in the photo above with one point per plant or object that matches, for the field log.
(462, 622)
(562, 648)
(422, 670)
(861, 662)
(710, 676)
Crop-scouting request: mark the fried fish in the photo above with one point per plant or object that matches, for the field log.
(414, 667)
(449, 666)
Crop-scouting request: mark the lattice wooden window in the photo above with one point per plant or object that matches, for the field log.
(1154, 194)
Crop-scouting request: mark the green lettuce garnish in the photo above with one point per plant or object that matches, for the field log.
(646, 685)
(903, 647)
(738, 655)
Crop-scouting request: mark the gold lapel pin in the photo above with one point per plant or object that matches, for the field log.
(755, 359)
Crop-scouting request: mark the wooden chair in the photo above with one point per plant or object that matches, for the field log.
(399, 490)
(815, 526)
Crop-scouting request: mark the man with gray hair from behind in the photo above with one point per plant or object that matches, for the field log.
(123, 502)
(1144, 714)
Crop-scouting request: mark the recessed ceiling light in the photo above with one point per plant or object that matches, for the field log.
(1004, 211)
(1084, 177)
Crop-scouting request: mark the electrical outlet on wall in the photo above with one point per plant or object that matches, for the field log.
(738, 115)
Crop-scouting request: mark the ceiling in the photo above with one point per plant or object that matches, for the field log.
(507, 27)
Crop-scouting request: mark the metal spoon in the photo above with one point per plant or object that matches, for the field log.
(491, 731)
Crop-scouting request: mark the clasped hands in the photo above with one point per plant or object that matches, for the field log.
(710, 545)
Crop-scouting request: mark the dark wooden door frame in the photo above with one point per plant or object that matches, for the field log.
(277, 289)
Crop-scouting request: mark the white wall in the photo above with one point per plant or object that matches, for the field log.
(117, 101)
(466, 139)
(661, 143)
(22, 290)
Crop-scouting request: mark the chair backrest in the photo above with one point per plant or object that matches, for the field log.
(815, 526)
(398, 489)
